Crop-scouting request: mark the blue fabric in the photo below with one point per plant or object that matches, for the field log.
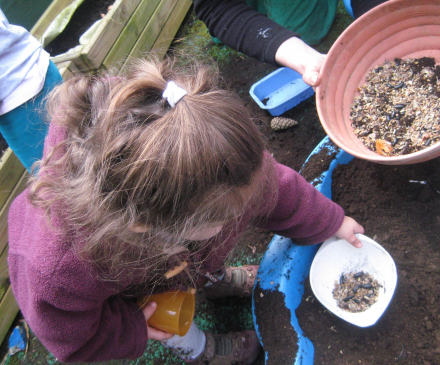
(25, 127)
(15, 41)
(311, 19)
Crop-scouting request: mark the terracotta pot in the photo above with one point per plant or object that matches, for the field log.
(397, 28)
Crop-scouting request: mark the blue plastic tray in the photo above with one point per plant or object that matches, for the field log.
(280, 91)
(285, 265)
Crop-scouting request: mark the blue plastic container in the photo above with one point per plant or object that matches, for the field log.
(347, 4)
(285, 265)
(280, 91)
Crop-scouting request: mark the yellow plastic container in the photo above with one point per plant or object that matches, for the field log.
(174, 312)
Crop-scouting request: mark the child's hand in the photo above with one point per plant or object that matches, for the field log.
(348, 229)
(153, 333)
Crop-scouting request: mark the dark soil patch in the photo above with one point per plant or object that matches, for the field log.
(87, 13)
(3, 145)
(281, 344)
(319, 162)
(292, 146)
(399, 207)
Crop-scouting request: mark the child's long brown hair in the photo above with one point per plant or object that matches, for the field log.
(130, 160)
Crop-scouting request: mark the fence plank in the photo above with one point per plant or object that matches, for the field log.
(4, 272)
(108, 31)
(19, 187)
(171, 27)
(152, 30)
(131, 33)
(8, 311)
(11, 170)
(48, 17)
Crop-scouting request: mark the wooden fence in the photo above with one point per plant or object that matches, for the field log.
(130, 29)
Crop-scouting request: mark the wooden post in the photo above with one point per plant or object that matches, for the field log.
(67, 69)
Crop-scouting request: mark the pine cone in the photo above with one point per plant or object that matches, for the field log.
(279, 123)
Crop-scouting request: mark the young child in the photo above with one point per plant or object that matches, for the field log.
(142, 173)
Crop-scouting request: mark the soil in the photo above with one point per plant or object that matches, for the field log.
(87, 13)
(394, 205)
(283, 347)
(319, 162)
(398, 207)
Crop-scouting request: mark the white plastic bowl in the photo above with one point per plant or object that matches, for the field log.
(337, 256)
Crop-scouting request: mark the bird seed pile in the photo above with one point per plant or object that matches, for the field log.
(398, 109)
(356, 292)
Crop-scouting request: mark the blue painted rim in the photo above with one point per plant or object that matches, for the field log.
(285, 265)
(347, 4)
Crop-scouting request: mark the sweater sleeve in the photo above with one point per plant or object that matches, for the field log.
(301, 212)
(74, 323)
(77, 316)
(242, 28)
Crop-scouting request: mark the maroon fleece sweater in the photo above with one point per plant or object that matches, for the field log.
(81, 318)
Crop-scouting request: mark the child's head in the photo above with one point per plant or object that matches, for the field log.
(136, 168)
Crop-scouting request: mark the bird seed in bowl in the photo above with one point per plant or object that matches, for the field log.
(356, 292)
(398, 109)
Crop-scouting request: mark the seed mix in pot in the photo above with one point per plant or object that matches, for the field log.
(398, 109)
(356, 292)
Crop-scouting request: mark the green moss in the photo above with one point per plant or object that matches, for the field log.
(194, 39)
(224, 315)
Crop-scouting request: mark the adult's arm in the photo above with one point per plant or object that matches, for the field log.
(242, 28)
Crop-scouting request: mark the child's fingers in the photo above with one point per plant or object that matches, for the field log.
(359, 229)
(354, 241)
(149, 309)
(154, 334)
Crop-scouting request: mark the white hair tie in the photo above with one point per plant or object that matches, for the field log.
(173, 93)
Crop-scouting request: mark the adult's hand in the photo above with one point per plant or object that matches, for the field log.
(302, 58)
(153, 333)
